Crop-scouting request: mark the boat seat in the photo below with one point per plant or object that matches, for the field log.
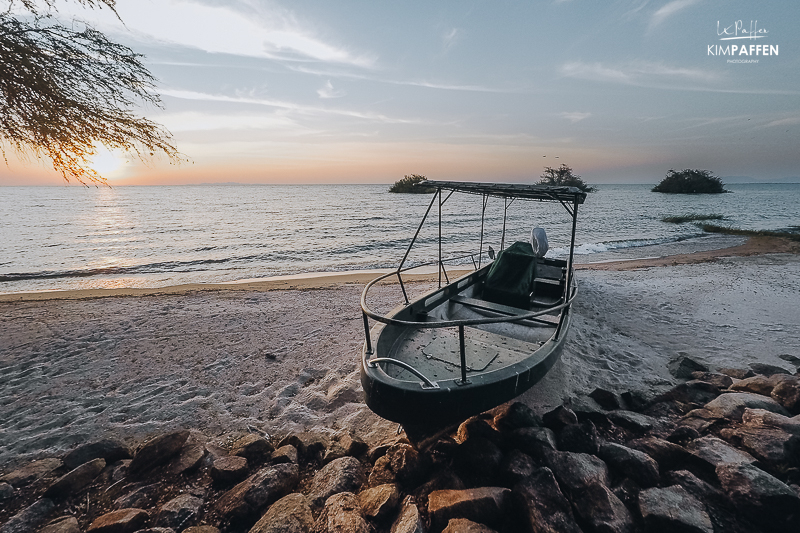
(510, 280)
(502, 309)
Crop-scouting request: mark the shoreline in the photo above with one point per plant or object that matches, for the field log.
(322, 280)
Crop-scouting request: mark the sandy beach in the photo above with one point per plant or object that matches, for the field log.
(280, 355)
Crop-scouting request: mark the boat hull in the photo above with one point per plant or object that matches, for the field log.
(411, 402)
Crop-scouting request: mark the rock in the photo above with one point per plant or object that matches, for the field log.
(737, 373)
(477, 459)
(700, 420)
(29, 518)
(31, 472)
(62, 524)
(119, 470)
(381, 472)
(408, 520)
(667, 454)
(761, 384)
(119, 521)
(691, 392)
(732, 405)
(762, 419)
(290, 514)
(486, 505)
(787, 393)
(285, 454)
(534, 440)
(477, 427)
(406, 463)
(760, 495)
(720, 380)
(341, 514)
(157, 530)
(635, 400)
(255, 448)
(627, 491)
(516, 466)
(111, 450)
(228, 469)
(579, 438)
(544, 506)
(772, 446)
(587, 409)
(634, 464)
(157, 452)
(378, 503)
(682, 435)
(715, 452)
(515, 415)
(462, 525)
(559, 417)
(576, 471)
(632, 420)
(443, 480)
(768, 370)
(179, 512)
(259, 490)
(191, 455)
(342, 475)
(693, 485)
(141, 497)
(599, 507)
(605, 399)
(202, 529)
(6, 491)
(673, 509)
(72, 482)
(682, 367)
(345, 444)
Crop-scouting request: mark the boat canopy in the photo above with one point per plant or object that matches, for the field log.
(510, 190)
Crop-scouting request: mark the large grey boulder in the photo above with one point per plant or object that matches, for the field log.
(29, 518)
(75, 480)
(31, 472)
(249, 497)
(673, 509)
(732, 405)
(179, 512)
(760, 495)
(112, 450)
(341, 514)
(157, 451)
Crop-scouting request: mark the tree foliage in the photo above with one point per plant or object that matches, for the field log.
(690, 181)
(66, 90)
(406, 185)
(564, 176)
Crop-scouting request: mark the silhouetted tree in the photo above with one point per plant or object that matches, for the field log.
(64, 90)
(407, 184)
(563, 176)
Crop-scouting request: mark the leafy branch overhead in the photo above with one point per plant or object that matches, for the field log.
(65, 91)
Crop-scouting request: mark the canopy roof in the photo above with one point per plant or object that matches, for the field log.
(511, 190)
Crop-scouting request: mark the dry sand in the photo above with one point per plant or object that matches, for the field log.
(281, 355)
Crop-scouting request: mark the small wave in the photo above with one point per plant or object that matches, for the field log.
(600, 247)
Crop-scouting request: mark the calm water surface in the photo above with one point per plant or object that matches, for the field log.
(71, 237)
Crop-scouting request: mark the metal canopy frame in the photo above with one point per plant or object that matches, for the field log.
(568, 197)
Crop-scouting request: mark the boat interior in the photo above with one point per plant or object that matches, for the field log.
(435, 352)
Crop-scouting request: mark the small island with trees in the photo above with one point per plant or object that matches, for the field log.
(564, 176)
(407, 185)
(689, 181)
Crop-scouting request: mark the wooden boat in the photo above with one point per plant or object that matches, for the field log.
(475, 342)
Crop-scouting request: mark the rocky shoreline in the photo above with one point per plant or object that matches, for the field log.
(719, 452)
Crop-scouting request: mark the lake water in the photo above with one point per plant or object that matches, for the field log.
(58, 238)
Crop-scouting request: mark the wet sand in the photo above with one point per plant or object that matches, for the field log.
(281, 355)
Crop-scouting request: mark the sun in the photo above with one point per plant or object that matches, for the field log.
(105, 161)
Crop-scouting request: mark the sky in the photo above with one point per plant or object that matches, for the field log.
(313, 91)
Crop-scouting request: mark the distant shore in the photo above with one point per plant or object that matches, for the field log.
(319, 280)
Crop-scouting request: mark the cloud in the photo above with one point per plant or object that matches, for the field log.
(575, 116)
(788, 121)
(327, 91)
(270, 32)
(288, 106)
(450, 37)
(641, 73)
(669, 9)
